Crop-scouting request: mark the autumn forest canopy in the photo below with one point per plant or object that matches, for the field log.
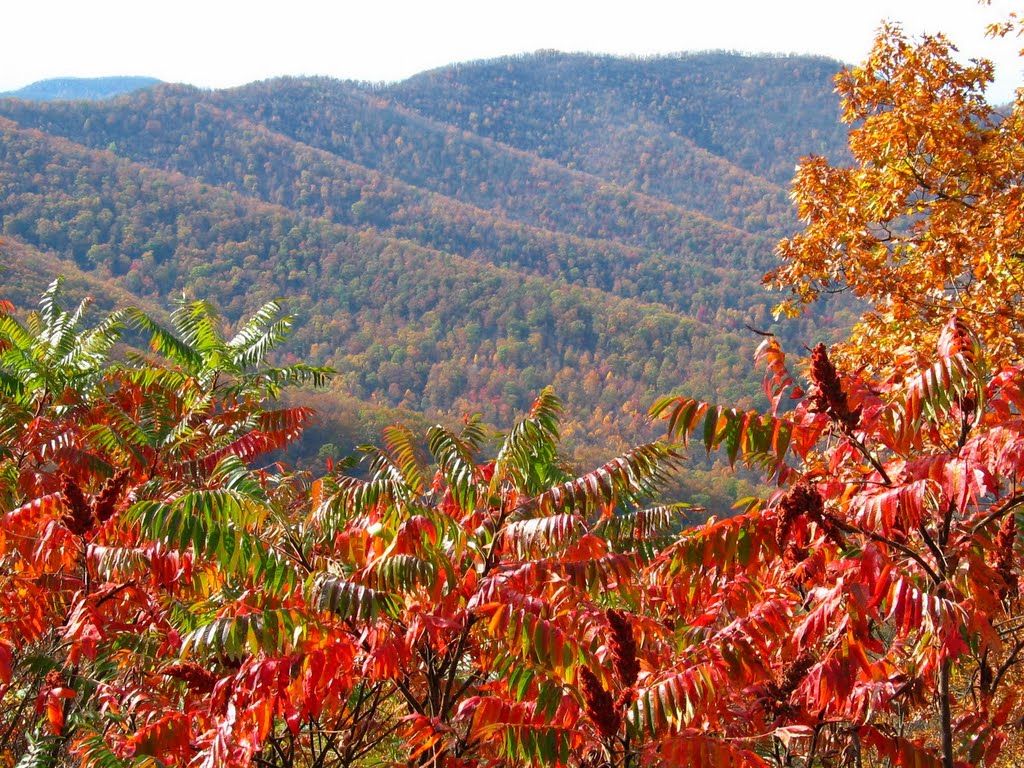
(527, 468)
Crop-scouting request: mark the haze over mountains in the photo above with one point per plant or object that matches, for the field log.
(57, 88)
(454, 242)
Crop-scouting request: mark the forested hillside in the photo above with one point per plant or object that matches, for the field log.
(682, 127)
(445, 263)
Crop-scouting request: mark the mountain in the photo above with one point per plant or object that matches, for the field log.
(635, 119)
(455, 242)
(81, 88)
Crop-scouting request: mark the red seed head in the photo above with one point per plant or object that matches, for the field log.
(105, 503)
(79, 518)
(198, 678)
(623, 648)
(827, 395)
(600, 708)
(1006, 556)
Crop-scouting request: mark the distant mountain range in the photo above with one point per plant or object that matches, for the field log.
(454, 242)
(87, 88)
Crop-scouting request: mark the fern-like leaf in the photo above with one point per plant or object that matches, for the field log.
(401, 573)
(350, 600)
(674, 702)
(635, 474)
(530, 447)
(271, 631)
(696, 748)
(403, 446)
(455, 460)
(755, 438)
(542, 536)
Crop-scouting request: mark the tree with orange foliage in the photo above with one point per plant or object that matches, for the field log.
(928, 219)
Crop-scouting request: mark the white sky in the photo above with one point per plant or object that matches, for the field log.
(218, 43)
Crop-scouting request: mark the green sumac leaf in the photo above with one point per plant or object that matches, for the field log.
(272, 631)
(349, 600)
(733, 435)
(711, 428)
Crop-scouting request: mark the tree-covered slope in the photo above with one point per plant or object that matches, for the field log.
(455, 242)
(362, 127)
(760, 113)
(660, 253)
(402, 323)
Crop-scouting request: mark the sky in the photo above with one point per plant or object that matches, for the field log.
(222, 43)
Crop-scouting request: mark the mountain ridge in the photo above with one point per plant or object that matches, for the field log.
(81, 88)
(673, 89)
